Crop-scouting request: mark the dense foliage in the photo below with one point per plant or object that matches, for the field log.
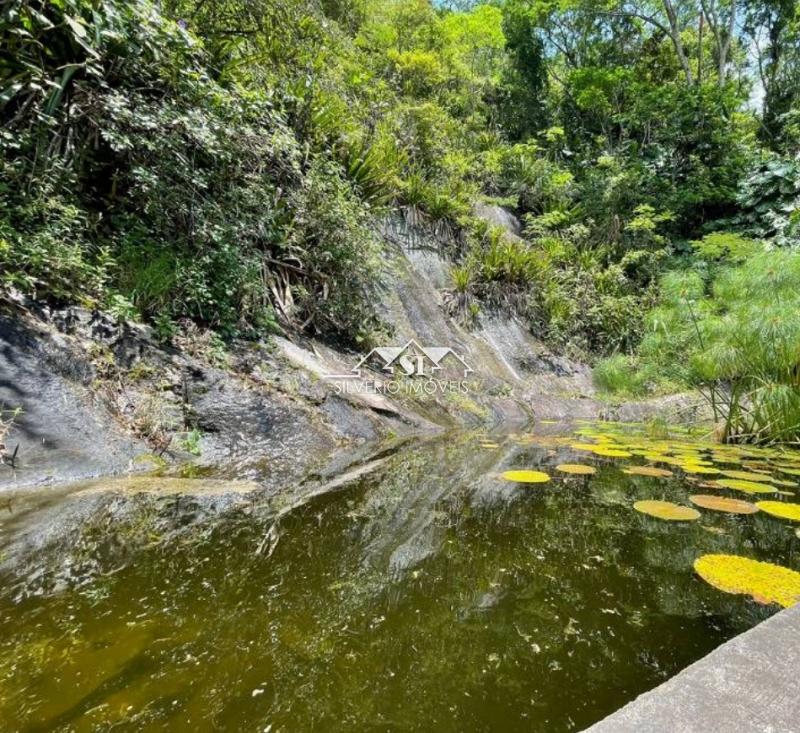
(232, 162)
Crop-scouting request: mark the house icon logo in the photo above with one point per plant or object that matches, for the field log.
(410, 360)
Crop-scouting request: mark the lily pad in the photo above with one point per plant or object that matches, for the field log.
(782, 509)
(583, 446)
(578, 469)
(526, 477)
(666, 510)
(767, 583)
(747, 476)
(781, 482)
(723, 504)
(697, 468)
(648, 471)
(607, 452)
(723, 458)
(654, 457)
(749, 487)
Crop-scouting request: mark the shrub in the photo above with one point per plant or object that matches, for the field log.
(619, 374)
(336, 240)
(46, 250)
(769, 199)
(539, 184)
(140, 179)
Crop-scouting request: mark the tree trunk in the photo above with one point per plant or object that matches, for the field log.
(700, 48)
(675, 35)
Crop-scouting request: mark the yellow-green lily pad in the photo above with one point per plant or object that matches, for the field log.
(765, 582)
(666, 510)
(747, 476)
(526, 477)
(697, 468)
(648, 471)
(782, 509)
(607, 452)
(749, 487)
(578, 469)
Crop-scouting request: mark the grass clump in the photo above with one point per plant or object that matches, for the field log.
(733, 334)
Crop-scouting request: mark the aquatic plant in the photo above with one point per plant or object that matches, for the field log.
(526, 477)
(747, 476)
(607, 452)
(648, 471)
(765, 582)
(697, 468)
(782, 509)
(666, 510)
(723, 504)
(749, 487)
(577, 469)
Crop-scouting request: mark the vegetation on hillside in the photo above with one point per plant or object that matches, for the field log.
(233, 162)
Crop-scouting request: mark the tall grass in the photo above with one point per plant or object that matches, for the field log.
(735, 336)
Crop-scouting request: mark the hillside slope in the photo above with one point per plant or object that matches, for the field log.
(102, 396)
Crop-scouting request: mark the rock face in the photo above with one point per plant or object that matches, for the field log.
(499, 217)
(60, 433)
(99, 396)
(97, 401)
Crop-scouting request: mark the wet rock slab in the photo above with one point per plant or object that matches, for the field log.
(60, 432)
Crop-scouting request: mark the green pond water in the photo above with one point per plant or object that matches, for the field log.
(427, 595)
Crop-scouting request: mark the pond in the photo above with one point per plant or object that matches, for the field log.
(429, 593)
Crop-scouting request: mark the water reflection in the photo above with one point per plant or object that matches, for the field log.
(425, 594)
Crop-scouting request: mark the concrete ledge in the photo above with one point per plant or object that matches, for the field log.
(751, 683)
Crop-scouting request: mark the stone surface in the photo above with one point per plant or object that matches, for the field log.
(60, 433)
(749, 684)
(498, 216)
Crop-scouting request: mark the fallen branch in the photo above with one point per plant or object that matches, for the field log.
(7, 418)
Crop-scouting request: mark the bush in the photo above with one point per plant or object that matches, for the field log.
(336, 240)
(46, 250)
(146, 181)
(619, 375)
(539, 184)
(769, 199)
